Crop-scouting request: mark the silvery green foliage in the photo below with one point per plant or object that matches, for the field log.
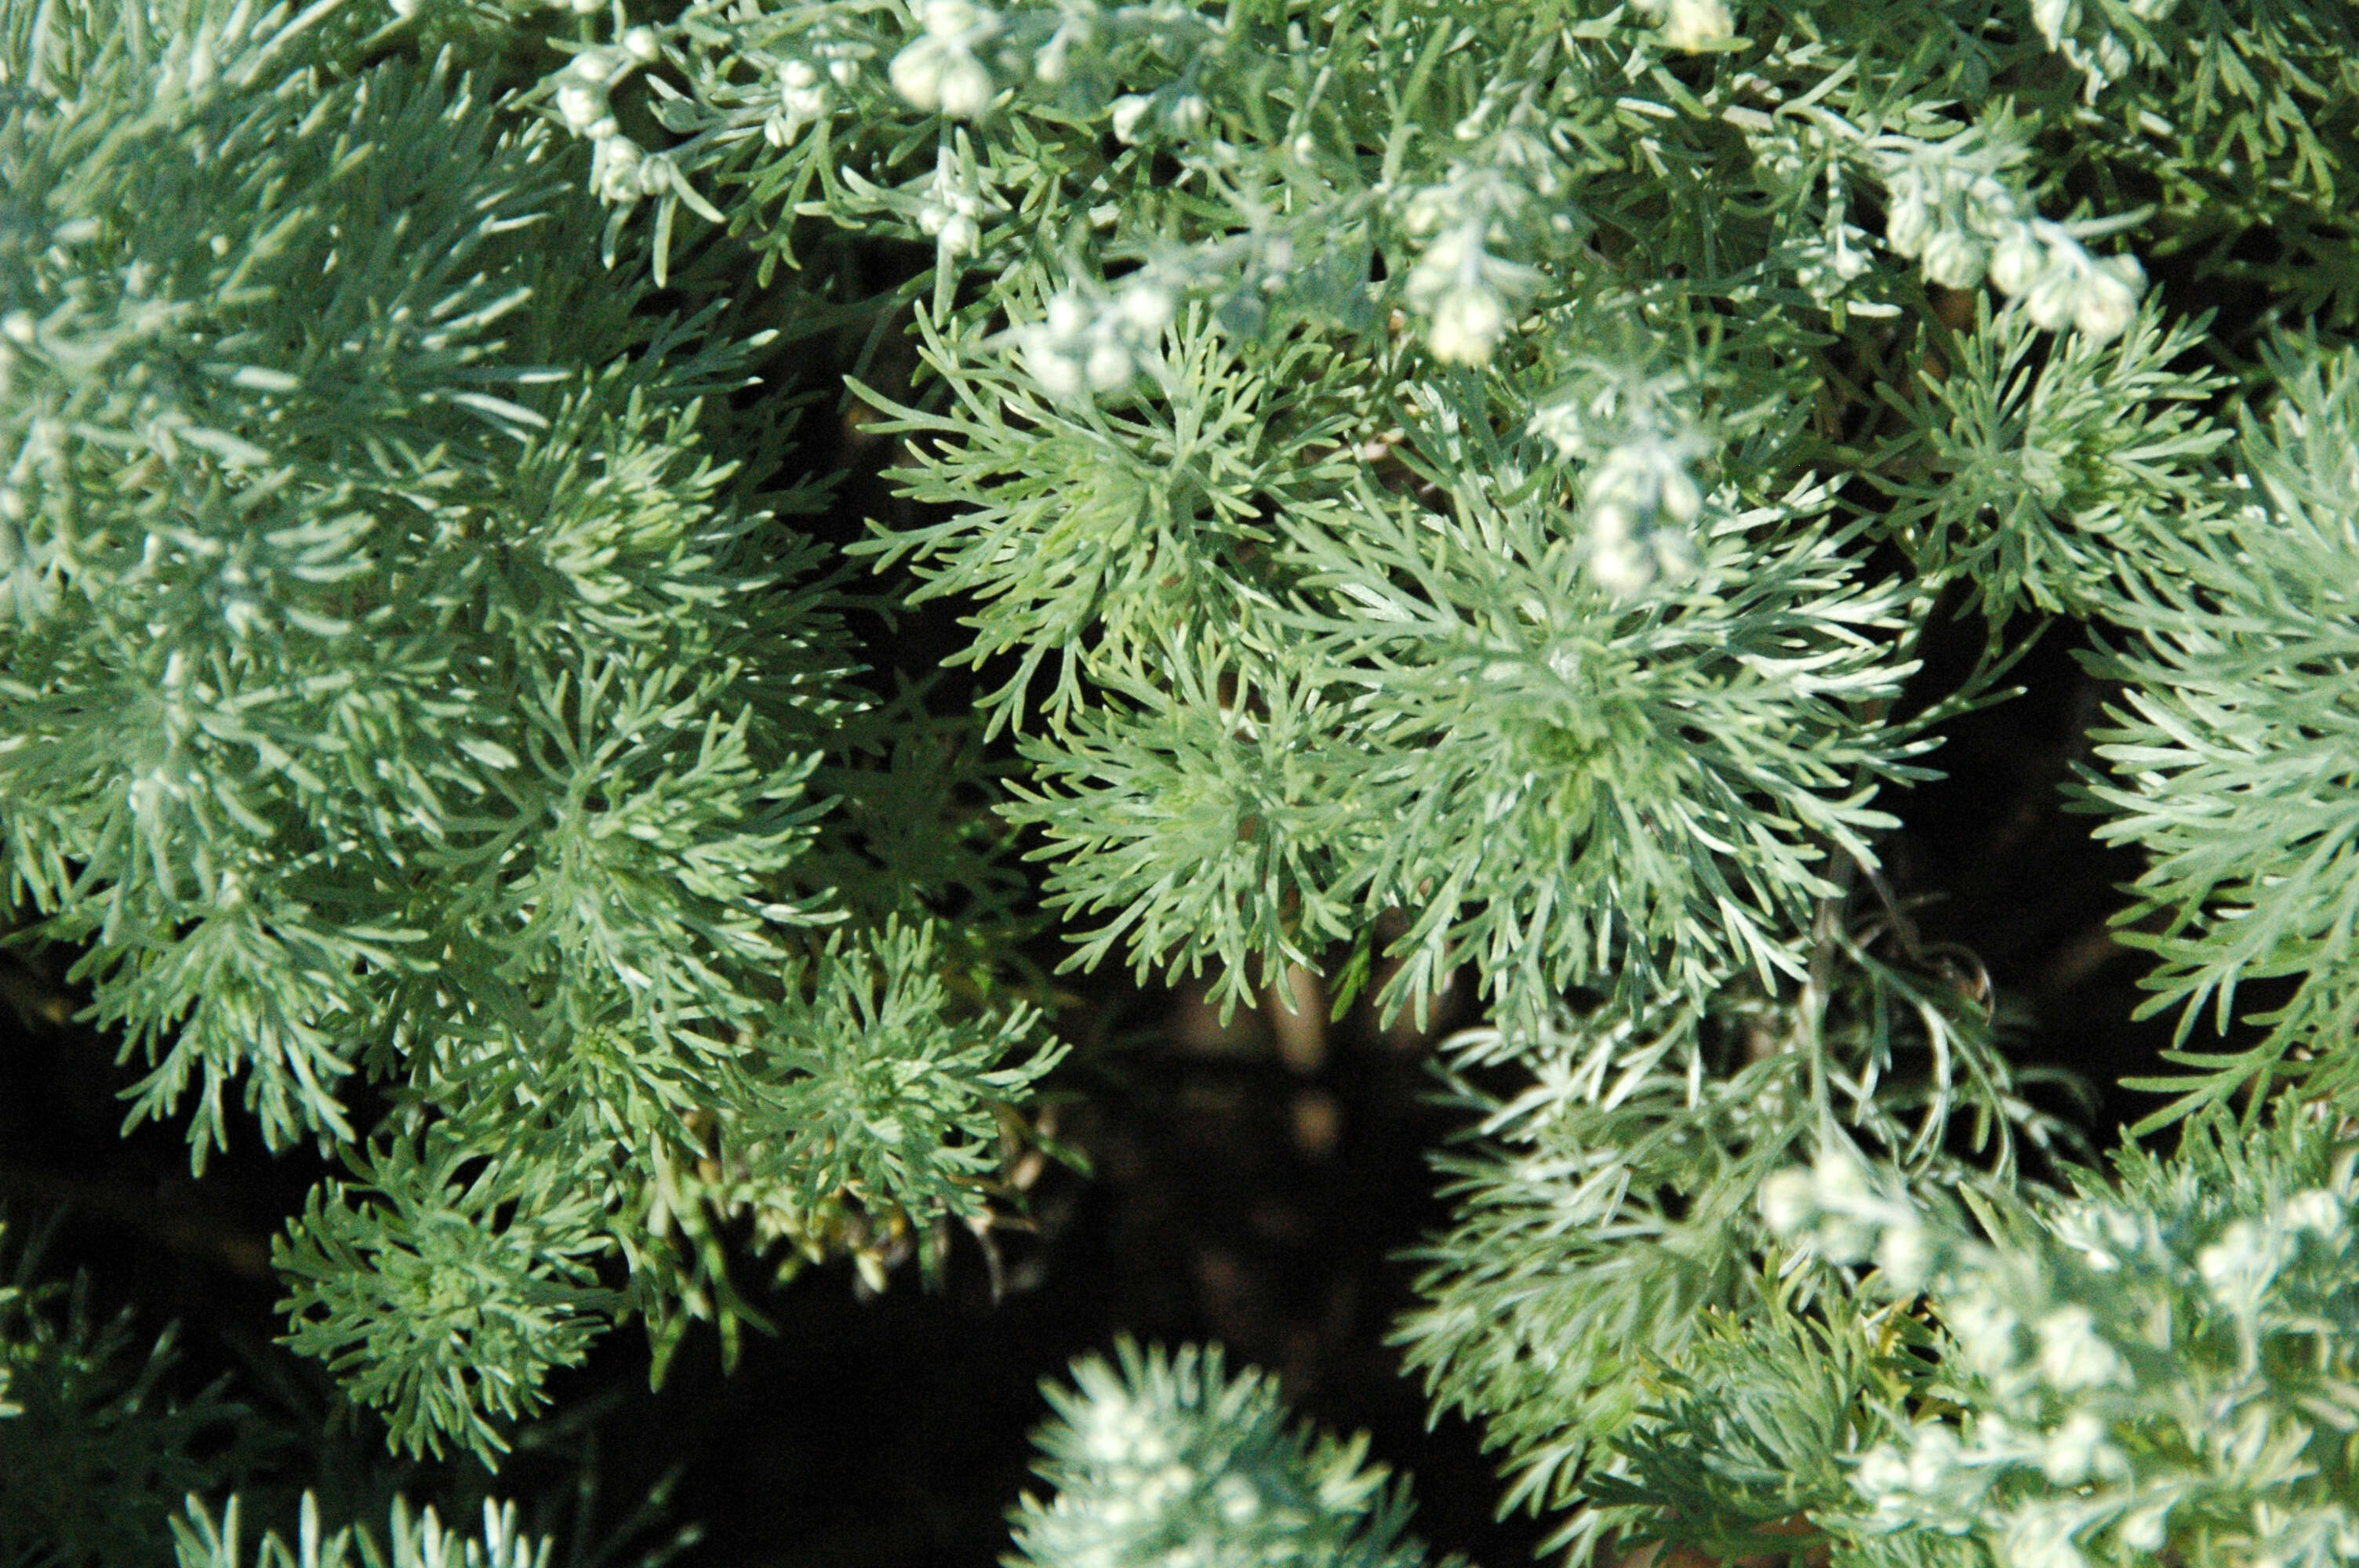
(395, 687)
(1483, 209)
(2230, 748)
(412, 1541)
(429, 1303)
(1456, 487)
(2029, 480)
(1611, 1219)
(1419, 465)
(1185, 420)
(1165, 1458)
(1255, 780)
(2157, 1369)
(1746, 1447)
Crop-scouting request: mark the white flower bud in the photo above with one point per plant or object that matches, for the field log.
(582, 105)
(2038, 1537)
(1882, 1471)
(1189, 115)
(960, 235)
(2239, 1266)
(1989, 204)
(917, 73)
(657, 174)
(1692, 24)
(2017, 260)
(18, 327)
(600, 65)
(1467, 327)
(1903, 1255)
(641, 44)
(1788, 1199)
(1955, 259)
(797, 76)
(2071, 1355)
(1109, 367)
(2055, 19)
(2050, 302)
(1057, 375)
(1446, 256)
(2109, 299)
(1067, 316)
(1985, 1330)
(801, 106)
(955, 18)
(1612, 524)
(1621, 569)
(2143, 1530)
(2315, 1210)
(2106, 309)
(2072, 1449)
(614, 172)
(843, 73)
(1911, 222)
(1681, 499)
(966, 88)
(1148, 307)
(1129, 111)
(586, 7)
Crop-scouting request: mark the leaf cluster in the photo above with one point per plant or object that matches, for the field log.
(404, 710)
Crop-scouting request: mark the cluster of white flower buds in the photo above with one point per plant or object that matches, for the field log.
(1640, 501)
(1465, 291)
(810, 86)
(2238, 1268)
(940, 72)
(802, 101)
(2102, 58)
(1691, 25)
(1840, 1211)
(955, 204)
(1146, 1488)
(1942, 1481)
(1828, 265)
(1467, 316)
(1175, 110)
(583, 85)
(1096, 342)
(1965, 223)
(622, 172)
(1640, 497)
(2062, 1344)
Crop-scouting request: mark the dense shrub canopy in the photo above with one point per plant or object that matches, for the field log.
(1436, 497)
